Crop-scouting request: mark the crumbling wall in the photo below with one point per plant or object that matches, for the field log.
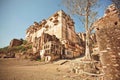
(109, 46)
(108, 39)
(15, 42)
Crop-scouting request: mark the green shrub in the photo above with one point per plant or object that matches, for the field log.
(4, 50)
(24, 42)
(21, 48)
(30, 47)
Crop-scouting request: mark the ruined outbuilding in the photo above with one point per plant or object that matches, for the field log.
(15, 42)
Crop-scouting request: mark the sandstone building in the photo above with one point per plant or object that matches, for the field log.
(57, 33)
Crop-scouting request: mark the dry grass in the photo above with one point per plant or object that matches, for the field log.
(14, 69)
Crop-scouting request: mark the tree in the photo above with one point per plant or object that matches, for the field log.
(84, 10)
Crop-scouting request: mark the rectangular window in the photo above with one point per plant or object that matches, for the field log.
(45, 51)
(48, 51)
(44, 47)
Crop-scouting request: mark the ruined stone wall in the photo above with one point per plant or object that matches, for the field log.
(15, 42)
(109, 45)
(108, 39)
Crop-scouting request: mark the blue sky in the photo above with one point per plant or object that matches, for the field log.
(17, 15)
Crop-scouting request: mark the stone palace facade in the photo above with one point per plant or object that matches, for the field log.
(55, 37)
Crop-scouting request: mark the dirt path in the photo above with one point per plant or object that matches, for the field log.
(15, 69)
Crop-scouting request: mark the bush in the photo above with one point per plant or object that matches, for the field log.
(30, 47)
(21, 48)
(24, 42)
(16, 49)
(4, 50)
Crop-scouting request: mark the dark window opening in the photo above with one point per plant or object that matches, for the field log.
(44, 47)
(116, 23)
(97, 28)
(51, 19)
(56, 52)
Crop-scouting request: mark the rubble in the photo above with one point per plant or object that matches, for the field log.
(85, 69)
(9, 55)
(61, 62)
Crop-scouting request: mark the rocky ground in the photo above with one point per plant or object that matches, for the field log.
(16, 69)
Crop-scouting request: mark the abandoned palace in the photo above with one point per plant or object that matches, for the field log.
(55, 37)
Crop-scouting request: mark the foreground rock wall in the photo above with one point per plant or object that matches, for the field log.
(108, 39)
